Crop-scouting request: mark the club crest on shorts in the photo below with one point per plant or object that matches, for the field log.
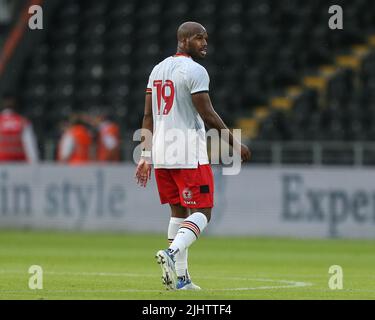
(187, 194)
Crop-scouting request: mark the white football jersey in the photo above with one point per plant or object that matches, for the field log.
(179, 137)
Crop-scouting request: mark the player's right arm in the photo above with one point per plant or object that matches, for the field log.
(203, 105)
(147, 123)
(143, 172)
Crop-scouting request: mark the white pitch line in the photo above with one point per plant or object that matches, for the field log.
(82, 291)
(285, 283)
(100, 274)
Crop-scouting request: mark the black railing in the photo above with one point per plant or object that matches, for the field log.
(280, 153)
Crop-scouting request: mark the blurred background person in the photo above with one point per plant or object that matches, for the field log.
(17, 138)
(75, 146)
(108, 138)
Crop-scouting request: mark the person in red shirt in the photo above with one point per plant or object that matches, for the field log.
(75, 146)
(17, 138)
(108, 138)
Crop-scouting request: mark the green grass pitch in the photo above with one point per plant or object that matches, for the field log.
(122, 266)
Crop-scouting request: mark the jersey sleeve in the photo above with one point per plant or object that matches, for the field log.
(198, 79)
(149, 85)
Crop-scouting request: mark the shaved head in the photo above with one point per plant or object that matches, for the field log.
(189, 29)
(192, 39)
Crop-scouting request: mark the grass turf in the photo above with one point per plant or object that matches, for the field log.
(122, 266)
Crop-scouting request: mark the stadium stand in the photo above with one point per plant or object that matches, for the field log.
(277, 70)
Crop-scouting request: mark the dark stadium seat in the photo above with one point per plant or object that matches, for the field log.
(104, 55)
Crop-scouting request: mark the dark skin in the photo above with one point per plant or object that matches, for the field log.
(193, 41)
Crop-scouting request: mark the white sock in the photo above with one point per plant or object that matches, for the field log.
(181, 256)
(189, 231)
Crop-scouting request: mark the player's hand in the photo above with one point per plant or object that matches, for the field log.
(245, 153)
(143, 172)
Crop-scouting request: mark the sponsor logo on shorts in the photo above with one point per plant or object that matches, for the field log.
(190, 202)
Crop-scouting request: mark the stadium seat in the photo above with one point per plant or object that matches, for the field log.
(256, 49)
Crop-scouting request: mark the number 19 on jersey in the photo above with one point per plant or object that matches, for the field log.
(165, 92)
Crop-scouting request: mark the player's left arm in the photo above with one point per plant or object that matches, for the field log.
(143, 172)
(198, 81)
(203, 105)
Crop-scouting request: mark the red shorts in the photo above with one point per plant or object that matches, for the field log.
(191, 188)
